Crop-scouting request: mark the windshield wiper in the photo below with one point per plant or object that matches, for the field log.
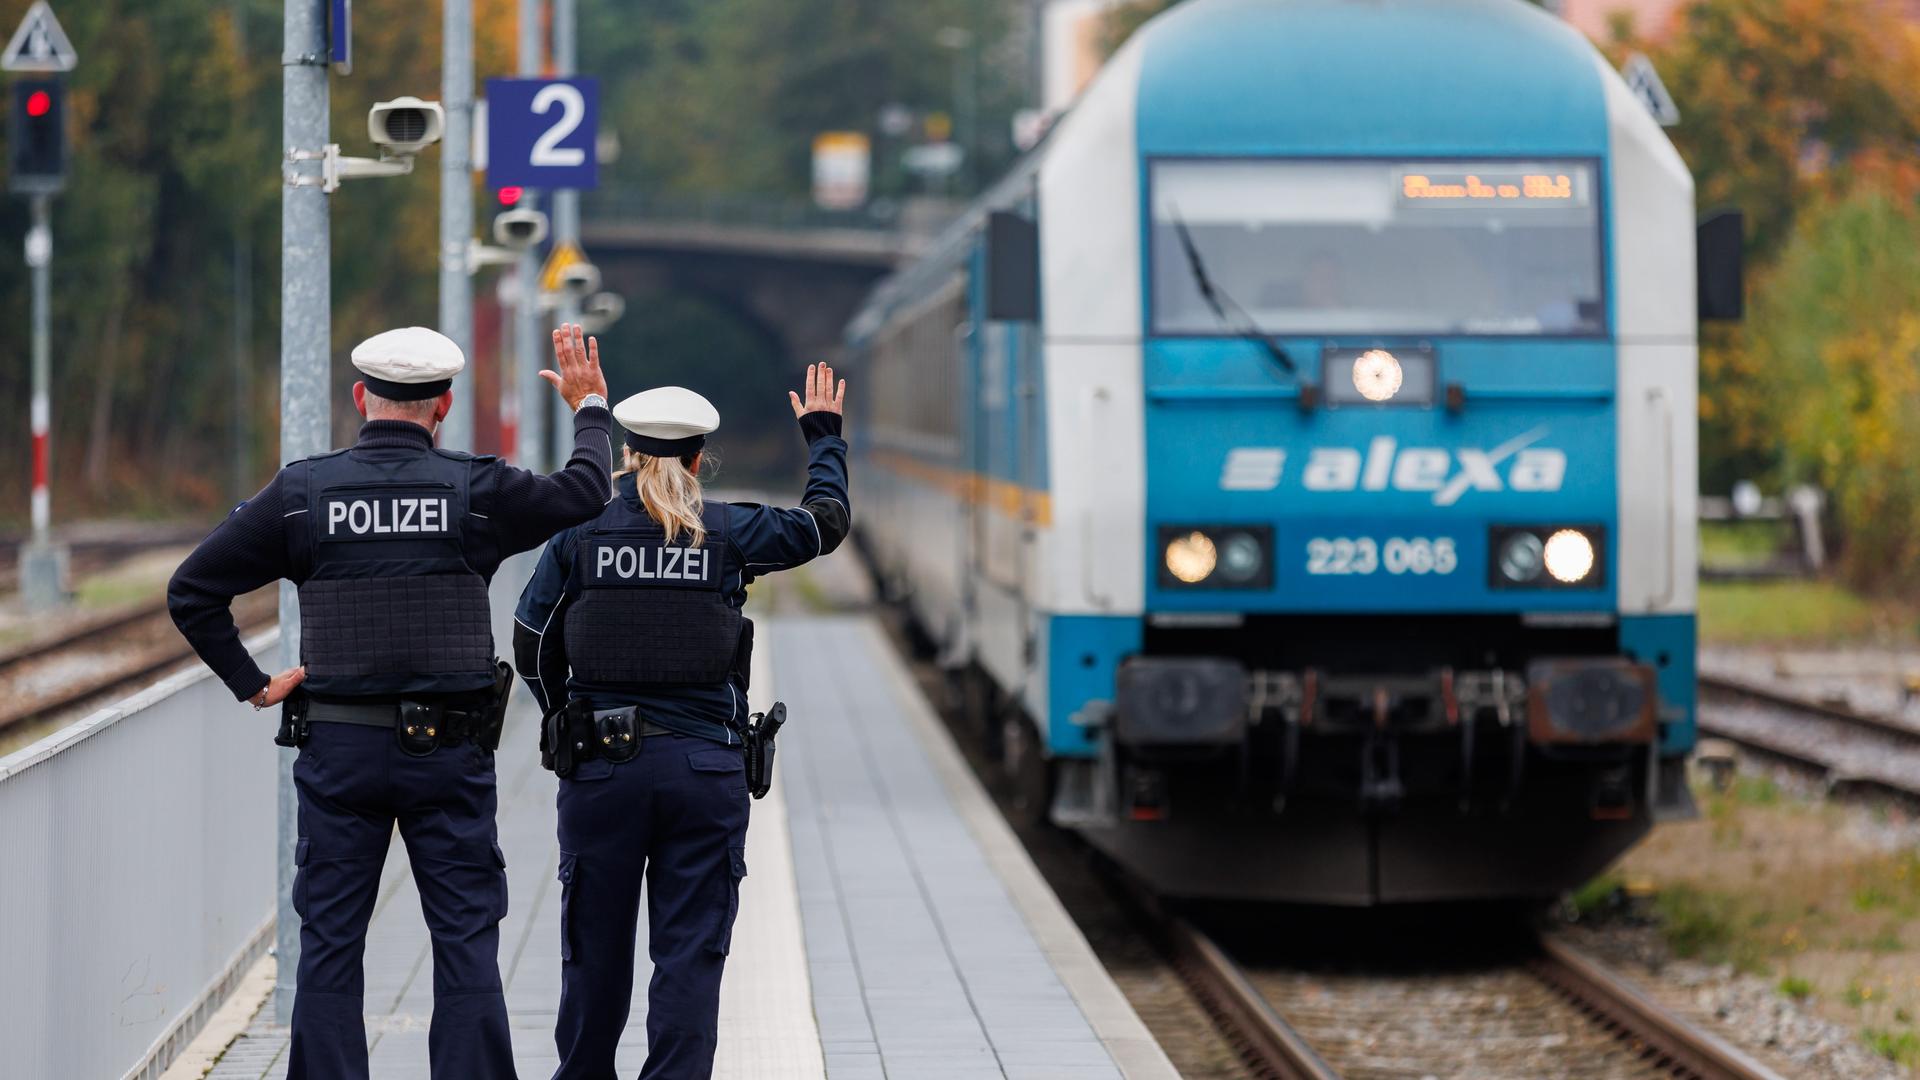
(1219, 301)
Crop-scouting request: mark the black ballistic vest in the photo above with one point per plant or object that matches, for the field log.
(390, 605)
(650, 613)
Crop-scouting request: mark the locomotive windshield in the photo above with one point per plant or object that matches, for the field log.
(1464, 248)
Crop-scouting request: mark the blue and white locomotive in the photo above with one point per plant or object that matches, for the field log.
(1299, 447)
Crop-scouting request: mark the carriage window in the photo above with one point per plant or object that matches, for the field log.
(1475, 248)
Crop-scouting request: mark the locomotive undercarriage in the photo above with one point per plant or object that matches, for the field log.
(1316, 784)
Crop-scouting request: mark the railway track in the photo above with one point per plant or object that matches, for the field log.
(1851, 749)
(96, 546)
(104, 656)
(1556, 1013)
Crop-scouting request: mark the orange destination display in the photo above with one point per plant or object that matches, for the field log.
(1514, 188)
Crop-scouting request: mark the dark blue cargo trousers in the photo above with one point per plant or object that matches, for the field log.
(354, 785)
(676, 815)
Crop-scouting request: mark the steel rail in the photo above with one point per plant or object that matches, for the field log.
(1724, 686)
(1666, 1039)
(1262, 1036)
(82, 633)
(1840, 774)
(160, 658)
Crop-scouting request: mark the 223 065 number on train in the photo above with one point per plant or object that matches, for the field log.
(1363, 555)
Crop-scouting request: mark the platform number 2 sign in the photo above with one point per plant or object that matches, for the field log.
(541, 133)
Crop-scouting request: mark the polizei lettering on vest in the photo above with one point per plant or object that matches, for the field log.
(387, 517)
(650, 563)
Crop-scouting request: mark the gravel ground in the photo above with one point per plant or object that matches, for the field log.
(1745, 1009)
(1809, 855)
(1494, 1024)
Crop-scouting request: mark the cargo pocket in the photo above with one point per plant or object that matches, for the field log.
(500, 868)
(717, 760)
(569, 870)
(301, 850)
(736, 869)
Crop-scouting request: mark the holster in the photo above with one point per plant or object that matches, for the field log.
(758, 737)
(294, 727)
(566, 737)
(494, 717)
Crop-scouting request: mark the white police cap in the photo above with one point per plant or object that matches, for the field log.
(667, 421)
(409, 364)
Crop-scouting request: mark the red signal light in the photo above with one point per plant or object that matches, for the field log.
(510, 196)
(39, 103)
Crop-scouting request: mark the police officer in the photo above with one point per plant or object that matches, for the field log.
(392, 543)
(635, 619)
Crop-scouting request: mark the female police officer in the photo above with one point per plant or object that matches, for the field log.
(633, 622)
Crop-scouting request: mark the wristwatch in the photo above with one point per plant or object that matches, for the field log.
(591, 400)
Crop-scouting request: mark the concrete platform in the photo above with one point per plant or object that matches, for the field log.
(890, 924)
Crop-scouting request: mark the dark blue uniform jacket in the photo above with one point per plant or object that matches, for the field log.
(760, 540)
(510, 510)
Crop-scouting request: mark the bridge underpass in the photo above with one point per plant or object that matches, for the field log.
(734, 297)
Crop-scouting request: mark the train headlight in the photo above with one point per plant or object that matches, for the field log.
(1569, 556)
(1547, 557)
(1191, 558)
(1241, 558)
(1216, 556)
(1370, 376)
(1377, 375)
(1521, 558)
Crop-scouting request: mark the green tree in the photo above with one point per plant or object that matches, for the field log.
(725, 96)
(1836, 337)
(1781, 101)
(175, 169)
(1783, 104)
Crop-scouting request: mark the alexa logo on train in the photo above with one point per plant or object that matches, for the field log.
(1448, 473)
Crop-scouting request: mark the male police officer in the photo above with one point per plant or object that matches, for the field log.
(392, 543)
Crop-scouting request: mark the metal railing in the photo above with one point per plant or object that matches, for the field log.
(138, 861)
(136, 877)
(744, 210)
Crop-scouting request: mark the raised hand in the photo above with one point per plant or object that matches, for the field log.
(578, 358)
(822, 395)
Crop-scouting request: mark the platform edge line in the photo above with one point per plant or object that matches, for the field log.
(1107, 1011)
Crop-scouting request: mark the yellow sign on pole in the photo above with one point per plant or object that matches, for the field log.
(842, 163)
(564, 254)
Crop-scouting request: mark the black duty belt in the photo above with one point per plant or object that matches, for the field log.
(577, 732)
(420, 727)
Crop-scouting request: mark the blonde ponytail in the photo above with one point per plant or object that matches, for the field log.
(670, 491)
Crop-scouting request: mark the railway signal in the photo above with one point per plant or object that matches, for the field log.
(37, 168)
(36, 137)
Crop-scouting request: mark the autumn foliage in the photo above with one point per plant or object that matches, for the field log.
(1805, 114)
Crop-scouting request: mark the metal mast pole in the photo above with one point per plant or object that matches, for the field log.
(566, 222)
(526, 313)
(41, 565)
(456, 212)
(241, 415)
(306, 304)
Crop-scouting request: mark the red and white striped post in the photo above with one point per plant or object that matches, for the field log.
(42, 565)
(42, 504)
